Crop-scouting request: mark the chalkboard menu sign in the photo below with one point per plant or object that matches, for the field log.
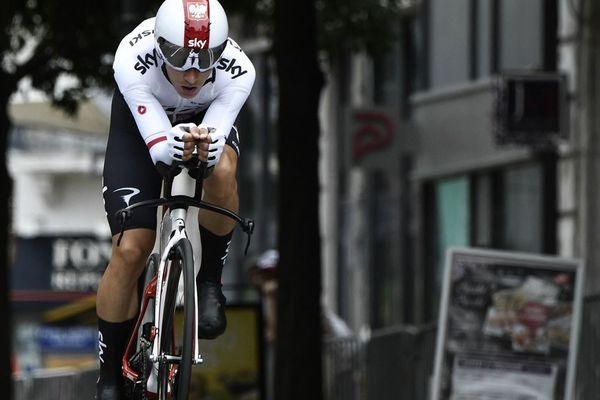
(508, 326)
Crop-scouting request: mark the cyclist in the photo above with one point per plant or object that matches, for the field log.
(176, 74)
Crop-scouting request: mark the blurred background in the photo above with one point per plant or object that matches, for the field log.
(443, 123)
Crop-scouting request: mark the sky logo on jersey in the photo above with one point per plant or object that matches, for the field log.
(145, 63)
(229, 66)
(234, 44)
(140, 36)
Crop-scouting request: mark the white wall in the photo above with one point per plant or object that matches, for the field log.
(57, 193)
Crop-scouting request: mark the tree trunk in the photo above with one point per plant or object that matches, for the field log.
(298, 358)
(5, 203)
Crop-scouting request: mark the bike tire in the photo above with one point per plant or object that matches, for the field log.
(182, 263)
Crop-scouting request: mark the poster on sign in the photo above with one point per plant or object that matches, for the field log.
(508, 326)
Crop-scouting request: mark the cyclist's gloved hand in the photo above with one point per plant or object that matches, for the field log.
(203, 140)
(175, 140)
(215, 148)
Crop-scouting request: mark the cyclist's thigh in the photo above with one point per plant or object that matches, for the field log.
(226, 170)
(129, 173)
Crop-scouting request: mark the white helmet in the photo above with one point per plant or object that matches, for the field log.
(191, 33)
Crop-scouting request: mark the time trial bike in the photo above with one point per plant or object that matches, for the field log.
(158, 360)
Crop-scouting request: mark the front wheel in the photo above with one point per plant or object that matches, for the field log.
(172, 377)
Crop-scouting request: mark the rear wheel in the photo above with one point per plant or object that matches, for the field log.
(174, 378)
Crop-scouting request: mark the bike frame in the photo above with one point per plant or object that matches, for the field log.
(177, 232)
(172, 230)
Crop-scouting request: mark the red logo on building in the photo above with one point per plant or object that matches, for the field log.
(373, 130)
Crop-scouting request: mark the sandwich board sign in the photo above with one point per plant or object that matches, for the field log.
(508, 326)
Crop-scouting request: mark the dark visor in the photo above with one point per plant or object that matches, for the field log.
(189, 57)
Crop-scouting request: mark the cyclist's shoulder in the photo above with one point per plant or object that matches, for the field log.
(235, 66)
(138, 41)
(136, 61)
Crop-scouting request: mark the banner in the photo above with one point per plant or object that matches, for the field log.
(59, 263)
(508, 326)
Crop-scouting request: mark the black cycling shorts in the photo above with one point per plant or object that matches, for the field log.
(129, 174)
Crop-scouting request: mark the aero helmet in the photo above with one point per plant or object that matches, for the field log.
(191, 33)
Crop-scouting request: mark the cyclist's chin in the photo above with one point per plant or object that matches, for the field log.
(188, 91)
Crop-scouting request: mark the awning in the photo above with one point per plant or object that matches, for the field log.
(90, 119)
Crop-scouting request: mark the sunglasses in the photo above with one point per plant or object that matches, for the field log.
(184, 58)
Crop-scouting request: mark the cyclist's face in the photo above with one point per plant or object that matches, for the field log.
(187, 83)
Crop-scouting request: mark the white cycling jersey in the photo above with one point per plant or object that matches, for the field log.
(153, 101)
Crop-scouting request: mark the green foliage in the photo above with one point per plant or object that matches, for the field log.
(347, 25)
(342, 25)
(48, 39)
(254, 13)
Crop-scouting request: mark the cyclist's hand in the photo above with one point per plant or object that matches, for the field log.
(180, 140)
(202, 140)
(215, 148)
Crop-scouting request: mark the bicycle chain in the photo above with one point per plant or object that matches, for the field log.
(139, 362)
(144, 371)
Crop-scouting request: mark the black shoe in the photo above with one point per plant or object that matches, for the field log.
(211, 310)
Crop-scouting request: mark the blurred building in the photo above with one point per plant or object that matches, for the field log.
(477, 128)
(61, 243)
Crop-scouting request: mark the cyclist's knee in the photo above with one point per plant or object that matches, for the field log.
(131, 254)
(227, 167)
(222, 181)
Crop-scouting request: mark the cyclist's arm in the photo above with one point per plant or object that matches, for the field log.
(223, 111)
(151, 120)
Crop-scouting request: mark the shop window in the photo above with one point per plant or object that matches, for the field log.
(511, 208)
(450, 226)
(522, 209)
(464, 40)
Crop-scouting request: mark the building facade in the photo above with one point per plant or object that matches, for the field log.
(61, 242)
(416, 162)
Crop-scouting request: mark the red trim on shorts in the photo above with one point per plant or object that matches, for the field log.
(155, 141)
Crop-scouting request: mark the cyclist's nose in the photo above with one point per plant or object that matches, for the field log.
(192, 76)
